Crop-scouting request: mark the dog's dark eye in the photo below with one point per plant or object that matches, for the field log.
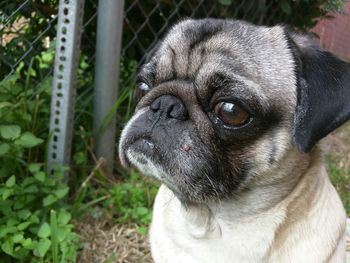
(141, 90)
(231, 114)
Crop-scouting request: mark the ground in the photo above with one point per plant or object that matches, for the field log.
(103, 242)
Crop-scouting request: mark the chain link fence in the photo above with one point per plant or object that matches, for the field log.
(18, 42)
(145, 22)
(28, 27)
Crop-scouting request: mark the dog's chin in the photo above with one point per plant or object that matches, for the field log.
(145, 157)
(143, 154)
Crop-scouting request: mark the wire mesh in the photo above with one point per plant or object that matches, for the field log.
(25, 30)
(145, 22)
(29, 27)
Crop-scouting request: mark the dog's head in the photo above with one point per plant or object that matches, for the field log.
(223, 102)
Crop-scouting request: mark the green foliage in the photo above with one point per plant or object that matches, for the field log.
(132, 199)
(341, 180)
(35, 213)
(27, 194)
(22, 28)
(124, 105)
(22, 127)
(25, 230)
(334, 5)
(301, 14)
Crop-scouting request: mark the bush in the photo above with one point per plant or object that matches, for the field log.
(34, 218)
(36, 210)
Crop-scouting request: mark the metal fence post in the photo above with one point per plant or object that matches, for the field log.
(70, 15)
(108, 47)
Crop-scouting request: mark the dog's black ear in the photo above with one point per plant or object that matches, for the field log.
(323, 92)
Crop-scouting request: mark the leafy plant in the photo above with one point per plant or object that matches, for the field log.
(132, 199)
(27, 195)
(26, 232)
(300, 14)
(340, 178)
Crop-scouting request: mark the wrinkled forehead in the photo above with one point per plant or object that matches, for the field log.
(196, 50)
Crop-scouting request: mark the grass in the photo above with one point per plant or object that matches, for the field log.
(338, 161)
(116, 229)
(340, 178)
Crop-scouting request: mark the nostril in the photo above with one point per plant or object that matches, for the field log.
(155, 105)
(169, 112)
(178, 111)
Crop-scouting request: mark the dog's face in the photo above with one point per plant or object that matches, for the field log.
(223, 102)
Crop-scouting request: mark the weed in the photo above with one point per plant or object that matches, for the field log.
(29, 232)
(340, 178)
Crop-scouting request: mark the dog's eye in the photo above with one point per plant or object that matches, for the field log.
(231, 114)
(141, 90)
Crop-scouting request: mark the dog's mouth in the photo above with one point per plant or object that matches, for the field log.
(180, 161)
(143, 145)
(144, 154)
(140, 149)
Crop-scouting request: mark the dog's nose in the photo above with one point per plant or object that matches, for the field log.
(170, 107)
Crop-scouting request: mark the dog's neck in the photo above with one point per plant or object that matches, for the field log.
(253, 201)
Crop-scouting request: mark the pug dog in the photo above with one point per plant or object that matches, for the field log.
(229, 119)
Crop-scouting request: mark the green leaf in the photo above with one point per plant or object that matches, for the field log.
(34, 219)
(28, 181)
(20, 253)
(31, 189)
(4, 148)
(23, 225)
(64, 217)
(4, 230)
(84, 64)
(19, 68)
(24, 214)
(47, 57)
(11, 181)
(44, 230)
(40, 176)
(60, 193)
(142, 211)
(34, 168)
(7, 247)
(5, 104)
(17, 205)
(142, 230)
(43, 246)
(17, 238)
(31, 72)
(225, 2)
(285, 6)
(27, 243)
(12, 221)
(49, 200)
(28, 140)
(80, 158)
(10, 132)
(7, 193)
(62, 233)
